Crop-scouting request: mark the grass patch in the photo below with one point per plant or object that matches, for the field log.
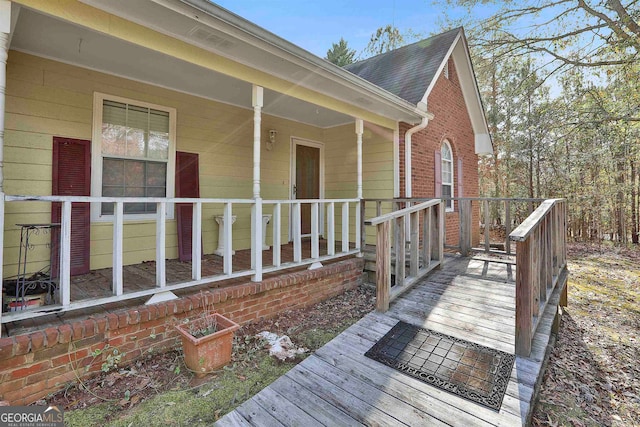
(203, 405)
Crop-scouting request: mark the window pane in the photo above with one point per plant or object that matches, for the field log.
(107, 208)
(112, 172)
(158, 145)
(113, 139)
(135, 208)
(134, 173)
(135, 143)
(446, 152)
(156, 174)
(158, 121)
(446, 191)
(133, 178)
(114, 113)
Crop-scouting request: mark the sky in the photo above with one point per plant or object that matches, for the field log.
(315, 24)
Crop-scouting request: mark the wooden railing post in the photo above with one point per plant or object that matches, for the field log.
(400, 250)
(507, 226)
(487, 226)
(524, 300)
(426, 236)
(465, 226)
(383, 266)
(414, 244)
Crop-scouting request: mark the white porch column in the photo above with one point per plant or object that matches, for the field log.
(359, 131)
(256, 211)
(357, 222)
(5, 29)
(257, 98)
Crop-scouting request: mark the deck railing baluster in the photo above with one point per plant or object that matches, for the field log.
(345, 227)
(296, 231)
(331, 228)
(227, 256)
(315, 239)
(117, 247)
(432, 241)
(414, 244)
(65, 255)
(277, 229)
(161, 233)
(196, 242)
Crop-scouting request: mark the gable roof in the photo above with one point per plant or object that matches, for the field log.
(411, 71)
(408, 71)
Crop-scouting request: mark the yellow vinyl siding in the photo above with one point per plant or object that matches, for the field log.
(341, 168)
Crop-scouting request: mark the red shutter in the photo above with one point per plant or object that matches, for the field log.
(72, 177)
(460, 180)
(187, 185)
(438, 173)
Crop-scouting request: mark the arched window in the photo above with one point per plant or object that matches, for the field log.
(447, 173)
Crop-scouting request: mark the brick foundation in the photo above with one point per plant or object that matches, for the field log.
(35, 364)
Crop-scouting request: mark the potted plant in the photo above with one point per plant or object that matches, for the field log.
(207, 342)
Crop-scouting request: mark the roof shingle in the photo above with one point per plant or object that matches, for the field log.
(408, 70)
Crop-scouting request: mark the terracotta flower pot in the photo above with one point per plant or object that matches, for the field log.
(209, 352)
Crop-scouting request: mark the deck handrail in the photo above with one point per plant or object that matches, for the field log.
(541, 267)
(473, 212)
(322, 211)
(427, 247)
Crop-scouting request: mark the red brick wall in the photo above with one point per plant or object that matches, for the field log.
(38, 363)
(451, 121)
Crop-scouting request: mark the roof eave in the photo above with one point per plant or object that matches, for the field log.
(408, 112)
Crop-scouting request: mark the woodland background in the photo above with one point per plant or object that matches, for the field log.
(560, 85)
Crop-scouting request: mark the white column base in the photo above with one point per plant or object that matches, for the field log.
(266, 219)
(220, 220)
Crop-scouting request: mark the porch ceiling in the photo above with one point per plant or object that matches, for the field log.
(45, 36)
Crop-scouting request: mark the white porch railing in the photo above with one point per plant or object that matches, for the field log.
(321, 209)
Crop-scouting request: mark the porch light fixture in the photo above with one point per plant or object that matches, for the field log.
(272, 139)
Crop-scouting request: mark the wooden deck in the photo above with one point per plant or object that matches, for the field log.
(472, 299)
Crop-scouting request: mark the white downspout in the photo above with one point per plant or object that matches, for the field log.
(407, 147)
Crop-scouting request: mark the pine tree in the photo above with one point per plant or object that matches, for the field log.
(340, 54)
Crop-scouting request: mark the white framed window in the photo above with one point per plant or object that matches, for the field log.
(132, 155)
(447, 173)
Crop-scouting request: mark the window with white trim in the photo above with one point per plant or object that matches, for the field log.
(447, 173)
(133, 154)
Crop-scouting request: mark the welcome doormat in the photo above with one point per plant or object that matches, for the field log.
(470, 370)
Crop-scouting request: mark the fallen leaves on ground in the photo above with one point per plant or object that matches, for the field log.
(593, 375)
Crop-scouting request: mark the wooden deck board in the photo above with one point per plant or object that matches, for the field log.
(469, 299)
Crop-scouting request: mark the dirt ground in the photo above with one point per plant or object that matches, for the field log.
(593, 376)
(159, 390)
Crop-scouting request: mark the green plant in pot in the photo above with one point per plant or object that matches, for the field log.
(207, 342)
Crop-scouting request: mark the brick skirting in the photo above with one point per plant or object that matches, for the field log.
(38, 363)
